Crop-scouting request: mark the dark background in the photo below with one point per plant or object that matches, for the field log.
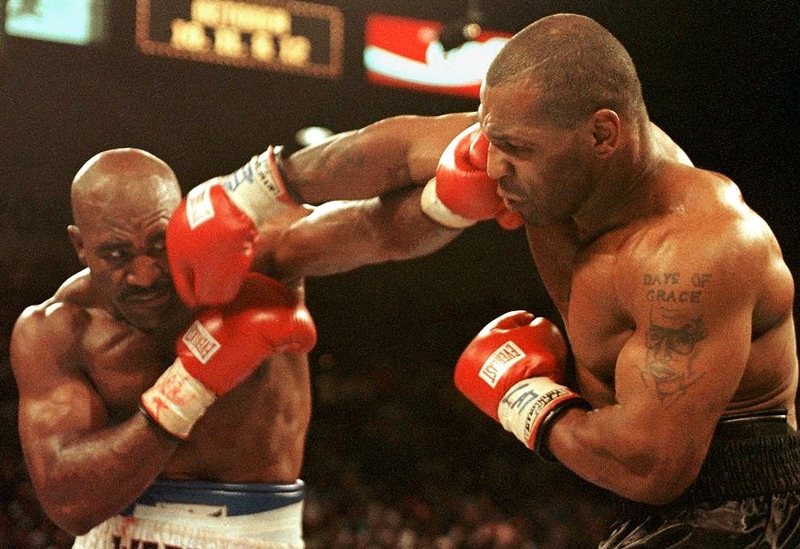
(721, 77)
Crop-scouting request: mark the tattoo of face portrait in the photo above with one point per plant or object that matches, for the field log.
(671, 342)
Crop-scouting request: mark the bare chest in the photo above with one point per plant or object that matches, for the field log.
(256, 432)
(122, 362)
(590, 297)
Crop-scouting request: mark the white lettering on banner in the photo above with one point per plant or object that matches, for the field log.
(247, 17)
(264, 34)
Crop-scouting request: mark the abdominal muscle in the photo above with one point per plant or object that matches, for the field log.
(255, 433)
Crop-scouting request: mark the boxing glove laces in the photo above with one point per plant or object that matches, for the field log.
(223, 346)
(212, 235)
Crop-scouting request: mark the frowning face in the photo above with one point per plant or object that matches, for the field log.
(541, 168)
(122, 241)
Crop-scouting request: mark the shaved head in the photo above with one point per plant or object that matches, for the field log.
(122, 201)
(121, 180)
(575, 65)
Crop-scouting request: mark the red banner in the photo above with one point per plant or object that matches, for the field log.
(407, 53)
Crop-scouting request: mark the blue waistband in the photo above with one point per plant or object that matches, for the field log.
(239, 499)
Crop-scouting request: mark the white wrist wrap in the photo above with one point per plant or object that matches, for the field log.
(437, 211)
(527, 404)
(258, 189)
(177, 400)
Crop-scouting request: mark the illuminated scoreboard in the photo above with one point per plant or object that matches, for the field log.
(278, 36)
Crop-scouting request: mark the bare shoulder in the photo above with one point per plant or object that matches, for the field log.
(50, 329)
(707, 238)
(724, 227)
(708, 295)
(668, 148)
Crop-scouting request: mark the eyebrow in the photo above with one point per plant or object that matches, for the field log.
(506, 139)
(112, 246)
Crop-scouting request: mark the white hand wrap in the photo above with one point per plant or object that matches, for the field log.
(177, 400)
(526, 406)
(437, 211)
(258, 189)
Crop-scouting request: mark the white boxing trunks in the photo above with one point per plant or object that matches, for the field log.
(205, 515)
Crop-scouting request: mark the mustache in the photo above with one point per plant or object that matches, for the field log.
(159, 287)
(507, 185)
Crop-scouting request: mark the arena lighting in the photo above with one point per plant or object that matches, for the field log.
(312, 135)
(463, 29)
(78, 22)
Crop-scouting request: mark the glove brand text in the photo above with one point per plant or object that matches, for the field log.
(499, 362)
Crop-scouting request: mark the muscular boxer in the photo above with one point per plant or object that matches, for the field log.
(674, 294)
(140, 419)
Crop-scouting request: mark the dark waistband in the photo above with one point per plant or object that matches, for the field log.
(751, 455)
(766, 423)
(238, 499)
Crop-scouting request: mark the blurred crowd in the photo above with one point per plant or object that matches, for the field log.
(396, 458)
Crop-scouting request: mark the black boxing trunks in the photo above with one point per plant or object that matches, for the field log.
(747, 494)
(205, 515)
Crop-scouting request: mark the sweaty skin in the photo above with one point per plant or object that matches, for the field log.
(83, 357)
(674, 293)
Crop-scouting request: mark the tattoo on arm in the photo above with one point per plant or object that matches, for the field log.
(672, 338)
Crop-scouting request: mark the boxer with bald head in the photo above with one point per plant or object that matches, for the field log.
(144, 420)
(674, 294)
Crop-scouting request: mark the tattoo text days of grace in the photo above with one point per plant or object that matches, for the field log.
(675, 328)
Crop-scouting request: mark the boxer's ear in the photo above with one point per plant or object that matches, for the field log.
(76, 238)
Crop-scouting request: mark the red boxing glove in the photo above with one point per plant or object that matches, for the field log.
(513, 371)
(222, 347)
(211, 237)
(462, 193)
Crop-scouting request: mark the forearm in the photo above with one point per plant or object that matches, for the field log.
(93, 477)
(384, 156)
(604, 448)
(209, 255)
(341, 236)
(514, 370)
